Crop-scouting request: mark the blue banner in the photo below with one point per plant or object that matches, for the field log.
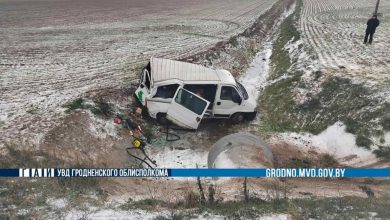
(202, 172)
(9, 172)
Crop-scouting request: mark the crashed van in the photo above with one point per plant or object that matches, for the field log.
(185, 93)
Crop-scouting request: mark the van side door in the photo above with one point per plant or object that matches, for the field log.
(187, 109)
(227, 102)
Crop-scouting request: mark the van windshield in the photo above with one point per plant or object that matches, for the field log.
(242, 90)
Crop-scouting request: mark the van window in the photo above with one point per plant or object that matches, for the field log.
(228, 92)
(167, 91)
(190, 101)
(206, 91)
(242, 90)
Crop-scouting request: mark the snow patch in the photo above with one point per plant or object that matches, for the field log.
(175, 158)
(255, 78)
(38, 139)
(143, 214)
(57, 203)
(223, 161)
(23, 212)
(387, 138)
(305, 64)
(289, 11)
(334, 141)
(3, 117)
(96, 214)
(101, 128)
(114, 214)
(275, 217)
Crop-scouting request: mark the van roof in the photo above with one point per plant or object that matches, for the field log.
(165, 69)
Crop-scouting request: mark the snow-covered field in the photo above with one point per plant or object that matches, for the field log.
(331, 41)
(54, 51)
(335, 30)
(51, 52)
(149, 215)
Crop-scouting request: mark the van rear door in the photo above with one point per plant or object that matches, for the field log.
(144, 85)
(187, 109)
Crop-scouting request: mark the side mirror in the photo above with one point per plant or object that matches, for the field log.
(237, 99)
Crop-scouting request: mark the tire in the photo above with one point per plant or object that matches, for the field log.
(250, 116)
(162, 118)
(237, 118)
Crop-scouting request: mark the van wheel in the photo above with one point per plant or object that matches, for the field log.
(237, 118)
(250, 116)
(162, 118)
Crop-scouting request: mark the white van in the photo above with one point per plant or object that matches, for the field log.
(185, 93)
